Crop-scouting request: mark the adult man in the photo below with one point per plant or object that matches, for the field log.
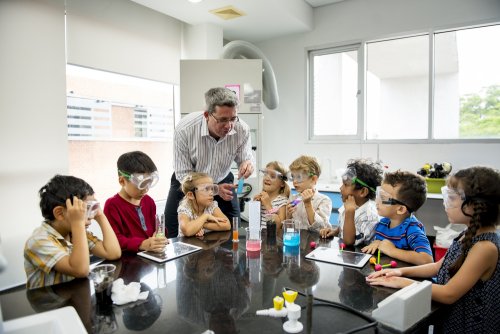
(209, 142)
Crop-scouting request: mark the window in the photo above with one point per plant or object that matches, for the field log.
(397, 88)
(467, 83)
(334, 92)
(404, 99)
(109, 114)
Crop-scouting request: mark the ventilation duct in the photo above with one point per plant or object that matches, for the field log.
(246, 50)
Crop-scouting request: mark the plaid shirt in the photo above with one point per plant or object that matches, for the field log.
(44, 248)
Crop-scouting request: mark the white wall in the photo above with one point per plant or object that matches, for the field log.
(354, 21)
(32, 131)
(117, 36)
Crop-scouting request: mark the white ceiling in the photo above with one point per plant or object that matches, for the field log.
(264, 19)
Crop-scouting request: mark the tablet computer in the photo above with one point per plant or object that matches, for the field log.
(337, 256)
(172, 251)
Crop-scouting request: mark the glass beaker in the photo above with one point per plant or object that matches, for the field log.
(291, 233)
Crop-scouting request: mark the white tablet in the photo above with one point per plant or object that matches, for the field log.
(337, 256)
(172, 251)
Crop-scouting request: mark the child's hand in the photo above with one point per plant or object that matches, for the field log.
(290, 209)
(327, 232)
(386, 247)
(200, 233)
(76, 212)
(154, 244)
(264, 199)
(213, 219)
(307, 195)
(350, 203)
(386, 273)
(390, 281)
(371, 248)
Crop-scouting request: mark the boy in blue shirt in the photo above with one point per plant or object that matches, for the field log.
(399, 234)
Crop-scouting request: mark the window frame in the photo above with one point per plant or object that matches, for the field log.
(360, 137)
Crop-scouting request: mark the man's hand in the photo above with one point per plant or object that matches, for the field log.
(245, 170)
(226, 191)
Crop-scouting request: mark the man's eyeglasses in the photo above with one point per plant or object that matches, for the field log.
(300, 177)
(350, 177)
(208, 188)
(231, 120)
(385, 198)
(272, 174)
(142, 180)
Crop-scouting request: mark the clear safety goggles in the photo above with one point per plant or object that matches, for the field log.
(452, 198)
(92, 209)
(208, 188)
(384, 197)
(272, 174)
(350, 177)
(142, 180)
(300, 176)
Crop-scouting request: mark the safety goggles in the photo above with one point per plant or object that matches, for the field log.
(300, 176)
(142, 180)
(452, 198)
(272, 174)
(208, 188)
(384, 197)
(92, 209)
(350, 177)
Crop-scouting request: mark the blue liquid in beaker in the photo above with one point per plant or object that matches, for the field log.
(291, 239)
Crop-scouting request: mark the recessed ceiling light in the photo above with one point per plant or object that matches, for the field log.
(195, 1)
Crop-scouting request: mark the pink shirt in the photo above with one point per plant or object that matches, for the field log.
(125, 221)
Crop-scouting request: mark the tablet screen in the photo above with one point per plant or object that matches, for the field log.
(336, 256)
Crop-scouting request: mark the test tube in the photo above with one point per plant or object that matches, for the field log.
(235, 229)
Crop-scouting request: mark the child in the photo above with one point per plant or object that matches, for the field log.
(58, 251)
(399, 234)
(468, 277)
(274, 195)
(131, 212)
(358, 215)
(198, 212)
(313, 210)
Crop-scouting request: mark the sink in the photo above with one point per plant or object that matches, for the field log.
(60, 321)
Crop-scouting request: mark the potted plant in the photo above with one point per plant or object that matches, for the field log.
(435, 175)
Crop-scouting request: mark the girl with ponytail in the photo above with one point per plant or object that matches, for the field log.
(468, 276)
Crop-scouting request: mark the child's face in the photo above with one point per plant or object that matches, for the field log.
(348, 188)
(303, 180)
(387, 194)
(137, 185)
(272, 181)
(452, 201)
(204, 192)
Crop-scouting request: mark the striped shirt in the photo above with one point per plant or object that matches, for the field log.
(196, 151)
(409, 235)
(365, 219)
(43, 249)
(322, 206)
(276, 203)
